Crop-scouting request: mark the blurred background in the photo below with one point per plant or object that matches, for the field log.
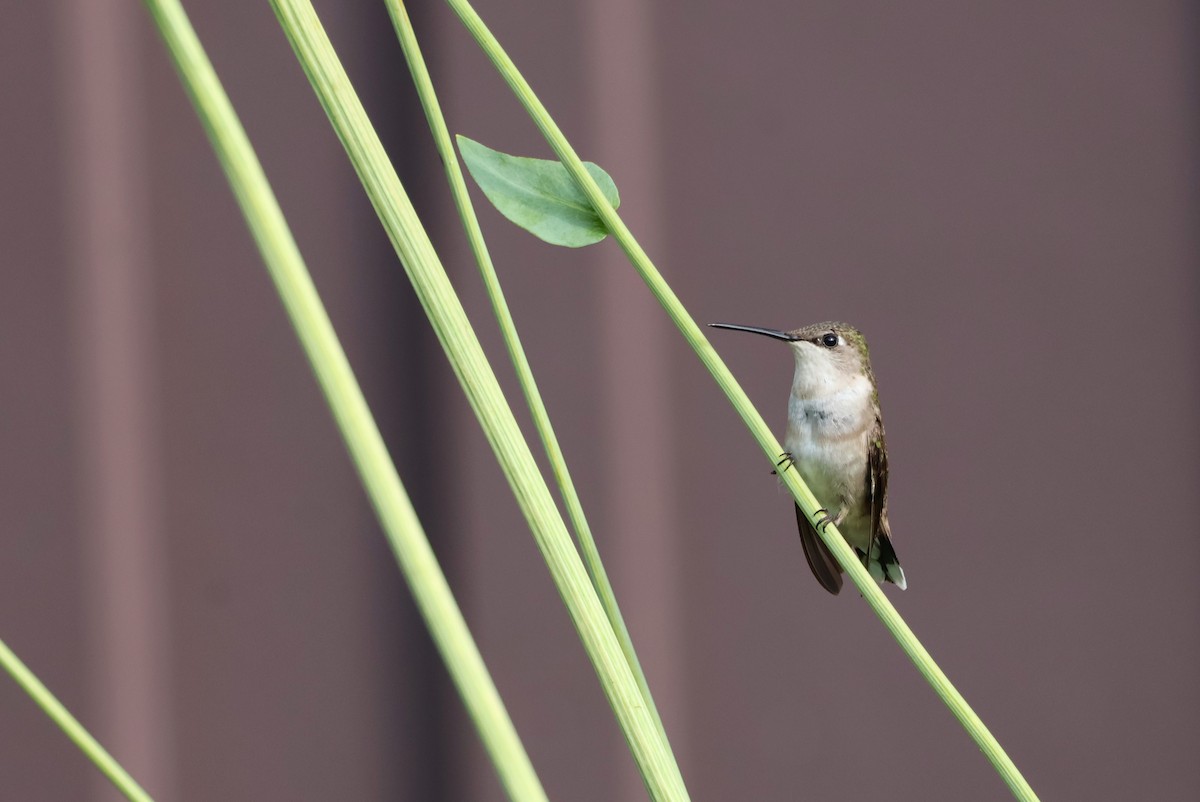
(1001, 196)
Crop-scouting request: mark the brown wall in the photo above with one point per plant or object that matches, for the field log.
(1003, 199)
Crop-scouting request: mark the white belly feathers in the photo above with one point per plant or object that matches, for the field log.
(827, 436)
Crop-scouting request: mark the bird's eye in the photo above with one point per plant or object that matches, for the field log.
(830, 340)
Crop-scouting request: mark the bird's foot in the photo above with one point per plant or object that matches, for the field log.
(825, 520)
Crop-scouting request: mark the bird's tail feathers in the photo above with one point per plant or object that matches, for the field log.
(885, 566)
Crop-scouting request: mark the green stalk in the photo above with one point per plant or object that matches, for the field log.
(750, 416)
(70, 725)
(508, 328)
(315, 53)
(400, 524)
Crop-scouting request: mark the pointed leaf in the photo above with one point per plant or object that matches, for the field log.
(539, 195)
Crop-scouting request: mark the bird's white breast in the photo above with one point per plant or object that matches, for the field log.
(829, 421)
(823, 427)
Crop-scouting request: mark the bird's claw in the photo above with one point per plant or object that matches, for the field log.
(825, 520)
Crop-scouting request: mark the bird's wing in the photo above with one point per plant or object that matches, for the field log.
(877, 476)
(822, 563)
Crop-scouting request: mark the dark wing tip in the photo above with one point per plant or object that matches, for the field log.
(822, 563)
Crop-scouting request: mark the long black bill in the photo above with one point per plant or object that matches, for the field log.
(776, 333)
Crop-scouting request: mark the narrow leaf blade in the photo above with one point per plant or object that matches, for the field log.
(539, 195)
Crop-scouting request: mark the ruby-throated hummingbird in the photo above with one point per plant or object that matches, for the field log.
(835, 439)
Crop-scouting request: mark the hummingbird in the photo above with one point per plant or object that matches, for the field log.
(835, 439)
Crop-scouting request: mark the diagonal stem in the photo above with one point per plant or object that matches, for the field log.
(71, 726)
(741, 403)
(537, 407)
(329, 80)
(350, 411)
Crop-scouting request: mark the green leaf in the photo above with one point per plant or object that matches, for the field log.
(539, 195)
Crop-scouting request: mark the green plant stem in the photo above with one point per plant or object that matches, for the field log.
(754, 422)
(328, 78)
(70, 725)
(349, 407)
(508, 328)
